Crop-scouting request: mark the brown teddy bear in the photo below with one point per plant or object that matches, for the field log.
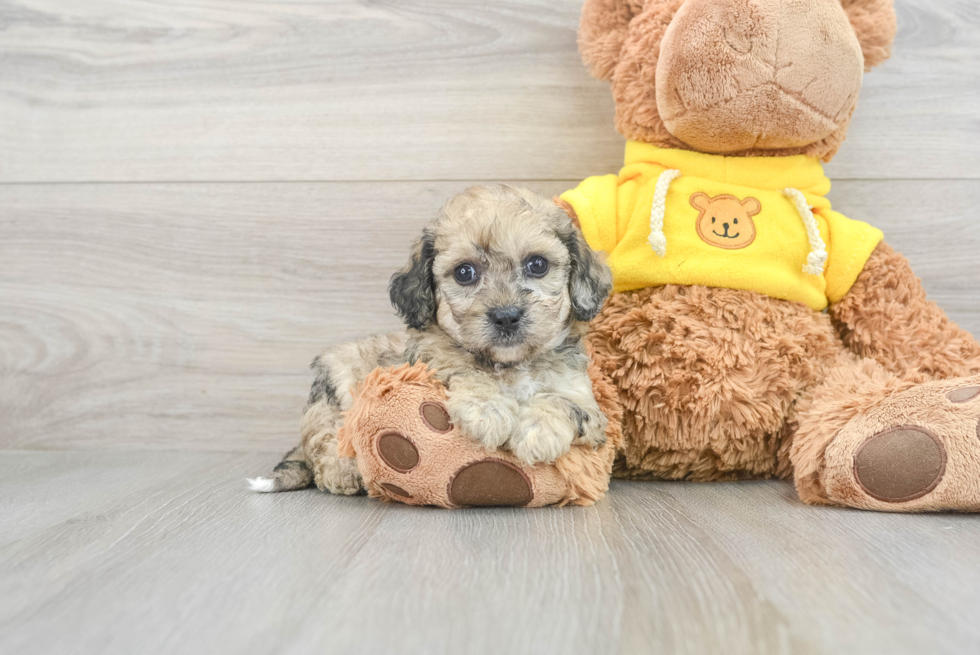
(754, 332)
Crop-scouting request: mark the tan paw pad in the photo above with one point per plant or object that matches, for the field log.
(900, 464)
(490, 483)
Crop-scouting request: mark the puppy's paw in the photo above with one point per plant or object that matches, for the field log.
(333, 473)
(490, 421)
(544, 435)
(591, 426)
(343, 479)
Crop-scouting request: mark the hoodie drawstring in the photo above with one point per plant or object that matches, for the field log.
(657, 239)
(818, 249)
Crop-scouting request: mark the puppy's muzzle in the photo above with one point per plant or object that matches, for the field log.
(506, 320)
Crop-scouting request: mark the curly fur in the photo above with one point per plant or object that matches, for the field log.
(708, 377)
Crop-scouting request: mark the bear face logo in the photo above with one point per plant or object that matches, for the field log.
(725, 221)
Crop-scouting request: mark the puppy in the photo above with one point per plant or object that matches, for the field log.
(496, 298)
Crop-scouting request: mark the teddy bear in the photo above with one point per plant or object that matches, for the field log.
(753, 331)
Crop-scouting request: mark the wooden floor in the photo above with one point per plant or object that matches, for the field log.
(136, 552)
(196, 196)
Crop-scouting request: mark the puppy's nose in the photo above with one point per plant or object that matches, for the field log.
(506, 318)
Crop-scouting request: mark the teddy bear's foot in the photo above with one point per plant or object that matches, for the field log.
(917, 450)
(408, 450)
(427, 462)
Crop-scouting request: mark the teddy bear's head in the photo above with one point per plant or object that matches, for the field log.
(740, 77)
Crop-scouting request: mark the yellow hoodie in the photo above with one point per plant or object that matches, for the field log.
(755, 223)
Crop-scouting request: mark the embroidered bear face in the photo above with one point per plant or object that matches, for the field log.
(725, 221)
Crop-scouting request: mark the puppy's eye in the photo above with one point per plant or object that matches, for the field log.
(536, 266)
(465, 274)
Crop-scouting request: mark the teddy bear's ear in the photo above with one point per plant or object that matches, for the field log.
(602, 32)
(700, 201)
(752, 206)
(874, 23)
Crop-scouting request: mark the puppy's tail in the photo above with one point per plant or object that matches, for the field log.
(293, 472)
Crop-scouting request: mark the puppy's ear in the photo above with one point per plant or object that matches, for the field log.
(412, 289)
(590, 280)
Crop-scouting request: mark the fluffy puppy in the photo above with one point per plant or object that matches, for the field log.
(496, 297)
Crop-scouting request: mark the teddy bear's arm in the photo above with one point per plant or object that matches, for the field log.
(887, 317)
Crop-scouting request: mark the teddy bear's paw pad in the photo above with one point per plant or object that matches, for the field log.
(398, 452)
(395, 489)
(490, 483)
(964, 394)
(900, 464)
(435, 417)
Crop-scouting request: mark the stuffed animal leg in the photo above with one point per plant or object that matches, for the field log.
(874, 440)
(408, 451)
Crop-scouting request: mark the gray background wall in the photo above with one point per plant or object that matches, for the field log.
(196, 197)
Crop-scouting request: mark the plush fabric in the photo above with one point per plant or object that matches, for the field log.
(875, 26)
(614, 213)
(721, 384)
(708, 378)
(405, 452)
(735, 75)
(861, 404)
(886, 316)
(741, 77)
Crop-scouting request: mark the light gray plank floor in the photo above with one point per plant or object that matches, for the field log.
(134, 552)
